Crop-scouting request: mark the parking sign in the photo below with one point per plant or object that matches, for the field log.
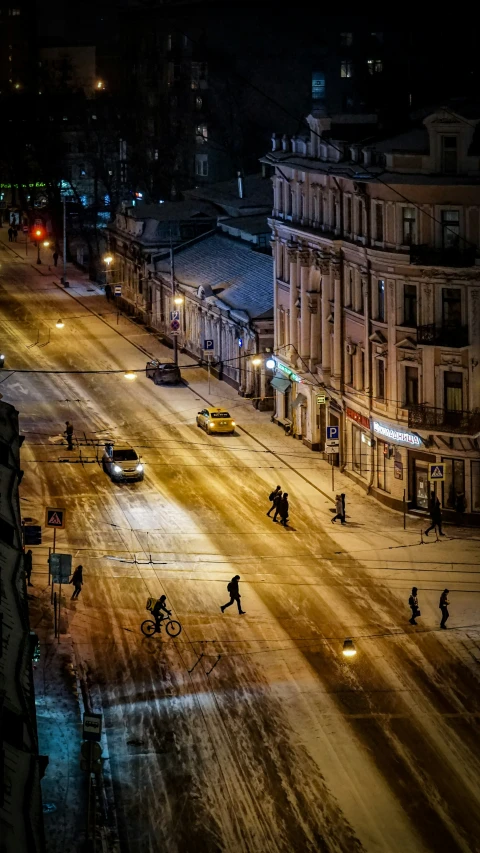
(333, 432)
(208, 345)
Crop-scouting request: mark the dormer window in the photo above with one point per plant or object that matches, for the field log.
(449, 154)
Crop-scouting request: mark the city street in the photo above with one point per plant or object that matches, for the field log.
(246, 733)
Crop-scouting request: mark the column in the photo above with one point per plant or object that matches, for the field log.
(304, 258)
(325, 268)
(338, 322)
(366, 320)
(293, 337)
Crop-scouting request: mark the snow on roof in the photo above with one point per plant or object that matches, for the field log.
(245, 275)
(257, 192)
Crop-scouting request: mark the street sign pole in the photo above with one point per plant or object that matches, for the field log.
(333, 473)
(208, 374)
(54, 538)
(59, 607)
(172, 279)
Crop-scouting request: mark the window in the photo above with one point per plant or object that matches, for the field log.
(380, 379)
(169, 41)
(360, 218)
(302, 206)
(382, 465)
(82, 171)
(201, 165)
(279, 260)
(362, 370)
(201, 133)
(375, 66)
(361, 444)
(379, 222)
(289, 201)
(346, 68)
(348, 288)
(346, 39)
(449, 154)
(381, 300)
(475, 486)
(408, 225)
(280, 197)
(349, 215)
(198, 102)
(348, 367)
(411, 386)
(453, 391)
(315, 209)
(410, 305)
(454, 483)
(155, 153)
(450, 229)
(334, 213)
(451, 307)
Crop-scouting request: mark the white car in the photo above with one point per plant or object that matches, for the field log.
(122, 463)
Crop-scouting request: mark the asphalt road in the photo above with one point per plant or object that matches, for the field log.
(271, 741)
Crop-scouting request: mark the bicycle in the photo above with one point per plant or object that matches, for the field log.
(172, 627)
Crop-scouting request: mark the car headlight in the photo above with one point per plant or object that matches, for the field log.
(139, 468)
(211, 424)
(117, 469)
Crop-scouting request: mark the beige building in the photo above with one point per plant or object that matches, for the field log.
(377, 304)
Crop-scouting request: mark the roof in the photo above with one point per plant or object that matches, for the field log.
(257, 193)
(413, 141)
(245, 275)
(172, 211)
(249, 224)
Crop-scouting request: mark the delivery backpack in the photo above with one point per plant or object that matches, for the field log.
(150, 604)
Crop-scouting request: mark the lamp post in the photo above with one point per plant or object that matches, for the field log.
(38, 234)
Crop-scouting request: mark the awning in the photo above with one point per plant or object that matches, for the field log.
(280, 384)
(300, 400)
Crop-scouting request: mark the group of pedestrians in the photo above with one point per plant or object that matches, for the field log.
(339, 509)
(279, 505)
(12, 234)
(443, 605)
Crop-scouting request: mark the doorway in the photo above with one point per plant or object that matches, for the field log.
(421, 485)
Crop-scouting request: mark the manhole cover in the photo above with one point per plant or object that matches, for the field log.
(49, 807)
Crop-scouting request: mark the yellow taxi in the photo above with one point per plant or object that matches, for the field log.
(215, 420)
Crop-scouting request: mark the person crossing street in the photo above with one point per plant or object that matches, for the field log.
(27, 565)
(413, 604)
(283, 509)
(69, 434)
(443, 605)
(235, 596)
(77, 581)
(274, 497)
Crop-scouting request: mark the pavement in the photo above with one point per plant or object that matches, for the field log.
(246, 733)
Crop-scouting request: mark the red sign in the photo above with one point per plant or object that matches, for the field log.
(357, 417)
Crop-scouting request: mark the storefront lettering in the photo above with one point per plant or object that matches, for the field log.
(291, 375)
(357, 417)
(396, 436)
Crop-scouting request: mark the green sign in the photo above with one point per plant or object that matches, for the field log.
(291, 375)
(321, 399)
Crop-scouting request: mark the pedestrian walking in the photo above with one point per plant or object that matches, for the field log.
(15, 233)
(338, 509)
(108, 292)
(283, 509)
(77, 580)
(55, 258)
(27, 565)
(436, 516)
(10, 234)
(235, 596)
(443, 605)
(344, 517)
(69, 434)
(413, 604)
(274, 497)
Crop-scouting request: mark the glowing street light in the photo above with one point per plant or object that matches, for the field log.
(256, 361)
(107, 260)
(270, 363)
(59, 324)
(178, 300)
(349, 650)
(130, 375)
(100, 84)
(46, 244)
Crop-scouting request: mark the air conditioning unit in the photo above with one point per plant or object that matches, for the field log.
(351, 348)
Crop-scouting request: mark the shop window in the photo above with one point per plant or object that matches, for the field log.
(382, 465)
(410, 305)
(475, 486)
(361, 448)
(411, 386)
(454, 484)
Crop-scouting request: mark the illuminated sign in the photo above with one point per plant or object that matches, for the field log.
(357, 417)
(396, 436)
(291, 375)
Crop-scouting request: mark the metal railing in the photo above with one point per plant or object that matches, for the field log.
(429, 418)
(444, 257)
(444, 336)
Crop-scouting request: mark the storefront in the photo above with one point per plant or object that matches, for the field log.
(358, 443)
(288, 389)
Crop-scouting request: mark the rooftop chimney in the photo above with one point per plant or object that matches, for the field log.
(240, 184)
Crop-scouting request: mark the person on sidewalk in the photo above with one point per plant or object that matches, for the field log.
(27, 565)
(413, 604)
(108, 292)
(10, 234)
(69, 434)
(436, 515)
(77, 580)
(338, 509)
(443, 605)
(232, 588)
(55, 258)
(283, 509)
(274, 497)
(15, 233)
(344, 514)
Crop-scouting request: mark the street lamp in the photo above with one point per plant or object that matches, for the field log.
(349, 650)
(256, 361)
(59, 324)
(178, 300)
(38, 234)
(270, 363)
(108, 259)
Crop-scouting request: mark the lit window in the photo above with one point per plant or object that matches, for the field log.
(83, 200)
(375, 66)
(201, 133)
(106, 200)
(155, 154)
(199, 102)
(408, 226)
(169, 41)
(346, 68)
(201, 165)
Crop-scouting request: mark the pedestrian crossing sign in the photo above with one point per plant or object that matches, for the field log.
(55, 517)
(436, 472)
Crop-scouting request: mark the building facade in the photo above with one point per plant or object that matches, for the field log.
(377, 304)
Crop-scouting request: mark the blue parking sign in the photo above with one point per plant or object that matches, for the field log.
(208, 344)
(333, 432)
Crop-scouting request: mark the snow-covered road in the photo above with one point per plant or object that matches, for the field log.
(283, 745)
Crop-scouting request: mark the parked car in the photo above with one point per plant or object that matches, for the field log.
(163, 373)
(215, 420)
(122, 463)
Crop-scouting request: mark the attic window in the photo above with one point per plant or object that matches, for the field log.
(449, 154)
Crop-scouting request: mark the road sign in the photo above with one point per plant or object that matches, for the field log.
(333, 432)
(55, 517)
(92, 726)
(209, 345)
(32, 534)
(321, 399)
(175, 327)
(60, 567)
(118, 290)
(331, 450)
(91, 751)
(174, 315)
(436, 472)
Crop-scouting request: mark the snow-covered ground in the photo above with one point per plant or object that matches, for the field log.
(272, 741)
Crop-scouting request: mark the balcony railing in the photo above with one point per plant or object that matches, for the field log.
(439, 420)
(431, 257)
(443, 336)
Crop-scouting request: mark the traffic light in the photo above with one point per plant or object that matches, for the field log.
(32, 534)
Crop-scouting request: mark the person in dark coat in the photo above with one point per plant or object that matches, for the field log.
(10, 234)
(344, 517)
(27, 565)
(274, 497)
(443, 605)
(108, 292)
(413, 604)
(15, 233)
(55, 258)
(338, 509)
(232, 588)
(77, 580)
(160, 604)
(436, 515)
(283, 509)
(69, 434)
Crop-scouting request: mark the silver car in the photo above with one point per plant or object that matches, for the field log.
(122, 463)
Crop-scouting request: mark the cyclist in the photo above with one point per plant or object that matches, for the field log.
(159, 605)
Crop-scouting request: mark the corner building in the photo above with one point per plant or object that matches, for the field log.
(377, 302)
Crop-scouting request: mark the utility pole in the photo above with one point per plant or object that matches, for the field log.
(64, 279)
(172, 279)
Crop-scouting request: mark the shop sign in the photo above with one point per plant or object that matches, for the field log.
(357, 417)
(396, 436)
(286, 370)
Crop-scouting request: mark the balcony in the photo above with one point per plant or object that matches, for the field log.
(428, 256)
(442, 336)
(438, 420)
